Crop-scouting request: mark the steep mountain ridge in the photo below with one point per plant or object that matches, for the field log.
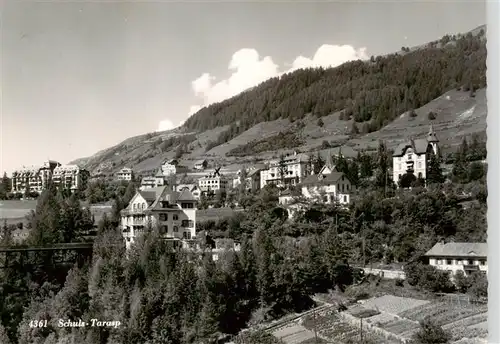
(351, 106)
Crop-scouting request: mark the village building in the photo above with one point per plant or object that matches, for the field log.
(172, 167)
(33, 178)
(200, 165)
(172, 213)
(70, 177)
(193, 188)
(328, 188)
(125, 174)
(252, 179)
(455, 256)
(414, 156)
(213, 182)
(289, 171)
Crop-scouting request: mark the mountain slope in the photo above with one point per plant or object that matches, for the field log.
(388, 97)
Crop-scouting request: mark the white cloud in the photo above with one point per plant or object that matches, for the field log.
(166, 124)
(249, 69)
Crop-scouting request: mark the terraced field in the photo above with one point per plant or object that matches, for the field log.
(331, 326)
(401, 316)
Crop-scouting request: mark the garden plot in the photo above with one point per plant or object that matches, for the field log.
(293, 334)
(400, 326)
(393, 304)
(444, 313)
(332, 327)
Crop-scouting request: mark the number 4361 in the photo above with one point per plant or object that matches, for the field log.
(38, 323)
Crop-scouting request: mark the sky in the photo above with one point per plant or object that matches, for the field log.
(78, 77)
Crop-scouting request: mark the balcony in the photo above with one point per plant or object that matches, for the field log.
(471, 268)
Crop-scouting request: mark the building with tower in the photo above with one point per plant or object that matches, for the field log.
(413, 157)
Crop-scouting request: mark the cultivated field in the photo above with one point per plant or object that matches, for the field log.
(401, 316)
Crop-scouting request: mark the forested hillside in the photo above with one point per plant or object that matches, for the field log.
(378, 90)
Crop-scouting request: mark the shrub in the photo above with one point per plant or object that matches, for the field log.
(431, 333)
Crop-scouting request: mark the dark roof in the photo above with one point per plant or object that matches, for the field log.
(323, 178)
(458, 249)
(254, 171)
(419, 146)
(150, 195)
(186, 195)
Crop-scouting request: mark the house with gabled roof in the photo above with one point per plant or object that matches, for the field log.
(172, 213)
(200, 164)
(459, 256)
(333, 187)
(193, 188)
(414, 156)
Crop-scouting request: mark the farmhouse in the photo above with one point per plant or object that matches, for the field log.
(455, 256)
(200, 164)
(173, 213)
(413, 157)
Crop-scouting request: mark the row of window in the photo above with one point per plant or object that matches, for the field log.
(459, 262)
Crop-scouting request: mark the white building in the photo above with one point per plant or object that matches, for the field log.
(200, 164)
(414, 156)
(125, 174)
(213, 182)
(172, 167)
(153, 182)
(193, 188)
(291, 172)
(173, 213)
(70, 177)
(252, 180)
(33, 178)
(328, 188)
(455, 256)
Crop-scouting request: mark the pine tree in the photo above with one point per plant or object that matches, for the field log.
(382, 164)
(435, 172)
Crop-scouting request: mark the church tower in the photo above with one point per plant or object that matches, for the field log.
(433, 140)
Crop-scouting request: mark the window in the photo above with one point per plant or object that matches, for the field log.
(175, 217)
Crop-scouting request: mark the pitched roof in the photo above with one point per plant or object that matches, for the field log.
(419, 146)
(459, 249)
(185, 195)
(322, 179)
(150, 195)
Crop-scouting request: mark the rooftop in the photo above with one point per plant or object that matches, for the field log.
(458, 249)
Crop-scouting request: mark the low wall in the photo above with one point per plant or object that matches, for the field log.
(390, 274)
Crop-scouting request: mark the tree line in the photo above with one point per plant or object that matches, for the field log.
(373, 92)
